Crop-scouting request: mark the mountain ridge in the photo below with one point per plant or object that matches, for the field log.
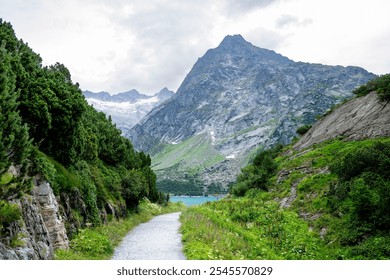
(126, 108)
(243, 98)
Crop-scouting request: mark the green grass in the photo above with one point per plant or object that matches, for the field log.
(248, 229)
(98, 243)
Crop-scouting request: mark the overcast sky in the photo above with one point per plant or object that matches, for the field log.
(118, 45)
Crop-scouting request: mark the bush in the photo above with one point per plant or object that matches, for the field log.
(40, 164)
(257, 174)
(303, 129)
(92, 243)
(362, 194)
(375, 248)
(375, 159)
(381, 85)
(8, 213)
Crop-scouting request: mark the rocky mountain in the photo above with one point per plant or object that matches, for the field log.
(127, 108)
(238, 98)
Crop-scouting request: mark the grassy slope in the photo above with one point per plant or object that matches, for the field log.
(256, 227)
(197, 152)
(193, 154)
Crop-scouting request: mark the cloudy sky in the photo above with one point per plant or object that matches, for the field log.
(117, 45)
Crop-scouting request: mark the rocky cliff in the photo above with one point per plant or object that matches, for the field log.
(40, 230)
(236, 99)
(359, 118)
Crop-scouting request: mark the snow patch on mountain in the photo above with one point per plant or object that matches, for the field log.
(126, 109)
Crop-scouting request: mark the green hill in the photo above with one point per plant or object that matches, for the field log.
(308, 212)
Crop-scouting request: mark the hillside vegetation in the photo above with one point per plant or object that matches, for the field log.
(48, 129)
(304, 211)
(327, 201)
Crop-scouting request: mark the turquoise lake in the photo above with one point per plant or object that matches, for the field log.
(194, 200)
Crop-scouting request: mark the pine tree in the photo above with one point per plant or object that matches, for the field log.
(14, 139)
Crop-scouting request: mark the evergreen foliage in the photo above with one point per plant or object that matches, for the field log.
(47, 128)
(303, 129)
(381, 85)
(257, 174)
(14, 138)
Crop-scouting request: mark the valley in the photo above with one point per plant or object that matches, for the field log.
(300, 153)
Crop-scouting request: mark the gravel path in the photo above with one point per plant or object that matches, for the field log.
(158, 239)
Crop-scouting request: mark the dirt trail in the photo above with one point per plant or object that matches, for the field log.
(158, 239)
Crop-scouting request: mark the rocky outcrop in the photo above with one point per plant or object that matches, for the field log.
(31, 234)
(40, 230)
(49, 211)
(360, 118)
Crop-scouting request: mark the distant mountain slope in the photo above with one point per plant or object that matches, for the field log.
(241, 98)
(128, 108)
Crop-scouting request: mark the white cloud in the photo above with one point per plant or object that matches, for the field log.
(289, 20)
(234, 7)
(118, 45)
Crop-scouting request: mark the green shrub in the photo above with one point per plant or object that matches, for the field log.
(374, 248)
(362, 194)
(303, 129)
(146, 206)
(375, 159)
(92, 243)
(381, 85)
(40, 164)
(8, 213)
(257, 174)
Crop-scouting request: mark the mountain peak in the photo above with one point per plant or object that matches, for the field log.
(164, 94)
(233, 40)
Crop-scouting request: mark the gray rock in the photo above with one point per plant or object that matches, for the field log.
(6, 254)
(50, 213)
(39, 231)
(34, 229)
(360, 118)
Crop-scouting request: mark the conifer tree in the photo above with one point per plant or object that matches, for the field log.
(14, 138)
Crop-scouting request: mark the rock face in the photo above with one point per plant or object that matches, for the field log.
(360, 118)
(49, 211)
(41, 229)
(128, 108)
(238, 98)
